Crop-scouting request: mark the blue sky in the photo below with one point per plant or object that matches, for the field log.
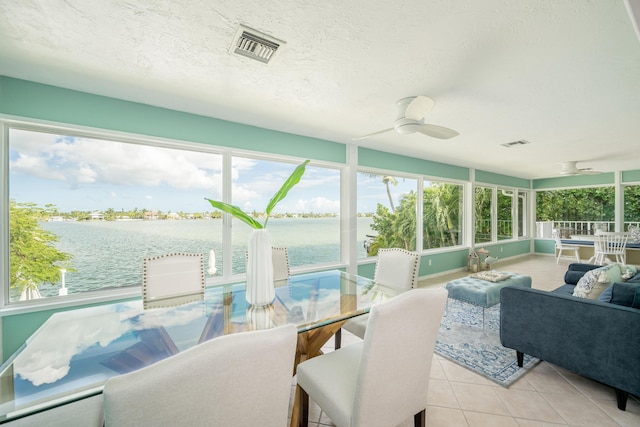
(87, 174)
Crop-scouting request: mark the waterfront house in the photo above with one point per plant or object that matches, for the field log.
(529, 86)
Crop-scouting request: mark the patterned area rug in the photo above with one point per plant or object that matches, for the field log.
(463, 340)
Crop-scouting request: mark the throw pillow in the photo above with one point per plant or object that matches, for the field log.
(594, 279)
(634, 234)
(605, 296)
(601, 284)
(627, 294)
(586, 283)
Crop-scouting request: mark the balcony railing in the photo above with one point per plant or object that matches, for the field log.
(568, 228)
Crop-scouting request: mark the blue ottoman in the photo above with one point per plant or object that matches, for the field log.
(484, 293)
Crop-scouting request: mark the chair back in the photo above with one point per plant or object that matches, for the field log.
(281, 270)
(397, 268)
(556, 236)
(242, 379)
(280, 257)
(390, 389)
(172, 275)
(612, 243)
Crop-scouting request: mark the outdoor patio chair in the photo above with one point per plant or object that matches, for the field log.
(610, 243)
(563, 247)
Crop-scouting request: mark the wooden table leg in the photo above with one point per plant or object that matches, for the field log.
(310, 345)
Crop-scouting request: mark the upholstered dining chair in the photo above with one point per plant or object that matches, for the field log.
(366, 384)
(396, 268)
(281, 268)
(242, 379)
(172, 275)
(563, 247)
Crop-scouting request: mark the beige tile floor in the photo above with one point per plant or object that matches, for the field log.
(546, 396)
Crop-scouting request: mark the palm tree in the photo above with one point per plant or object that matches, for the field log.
(386, 180)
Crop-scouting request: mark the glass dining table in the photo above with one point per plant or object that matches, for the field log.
(74, 352)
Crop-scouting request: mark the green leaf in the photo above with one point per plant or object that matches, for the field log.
(236, 212)
(293, 179)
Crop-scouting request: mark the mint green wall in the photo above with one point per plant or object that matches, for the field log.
(574, 181)
(382, 160)
(38, 101)
(631, 176)
(544, 246)
(507, 249)
(497, 179)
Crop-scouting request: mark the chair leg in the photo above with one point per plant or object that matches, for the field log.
(338, 338)
(621, 398)
(303, 417)
(419, 419)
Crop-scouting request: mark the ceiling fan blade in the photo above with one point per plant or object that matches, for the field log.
(371, 134)
(419, 107)
(439, 132)
(588, 171)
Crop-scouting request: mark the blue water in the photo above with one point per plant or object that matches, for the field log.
(110, 253)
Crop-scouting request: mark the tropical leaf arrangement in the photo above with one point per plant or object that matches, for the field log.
(238, 213)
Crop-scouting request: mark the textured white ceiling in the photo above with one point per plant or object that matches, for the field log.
(562, 74)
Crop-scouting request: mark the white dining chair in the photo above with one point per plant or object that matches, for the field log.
(242, 379)
(383, 380)
(564, 247)
(396, 268)
(172, 275)
(281, 268)
(610, 243)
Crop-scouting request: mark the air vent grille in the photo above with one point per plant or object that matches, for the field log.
(511, 144)
(255, 45)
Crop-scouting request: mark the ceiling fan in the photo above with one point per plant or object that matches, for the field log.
(411, 114)
(571, 168)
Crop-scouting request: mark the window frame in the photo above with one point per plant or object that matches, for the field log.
(128, 292)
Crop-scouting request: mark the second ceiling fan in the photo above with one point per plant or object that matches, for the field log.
(411, 114)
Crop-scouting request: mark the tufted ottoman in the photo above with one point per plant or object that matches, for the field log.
(482, 292)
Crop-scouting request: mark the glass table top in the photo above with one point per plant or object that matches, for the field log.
(74, 352)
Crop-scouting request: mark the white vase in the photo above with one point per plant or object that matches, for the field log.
(260, 289)
(259, 317)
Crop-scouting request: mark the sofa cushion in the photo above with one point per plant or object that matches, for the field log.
(634, 279)
(565, 290)
(627, 294)
(576, 270)
(595, 281)
(605, 296)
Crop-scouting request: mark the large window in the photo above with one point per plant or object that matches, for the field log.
(631, 206)
(506, 210)
(577, 210)
(482, 214)
(386, 212)
(306, 222)
(443, 214)
(97, 207)
(85, 211)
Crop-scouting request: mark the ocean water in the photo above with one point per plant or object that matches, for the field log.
(109, 253)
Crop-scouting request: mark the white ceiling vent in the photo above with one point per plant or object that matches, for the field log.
(254, 44)
(511, 144)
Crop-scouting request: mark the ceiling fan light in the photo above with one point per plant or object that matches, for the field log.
(406, 126)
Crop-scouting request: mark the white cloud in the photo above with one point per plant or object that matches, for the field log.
(87, 161)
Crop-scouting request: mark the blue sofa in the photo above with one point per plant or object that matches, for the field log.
(596, 339)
